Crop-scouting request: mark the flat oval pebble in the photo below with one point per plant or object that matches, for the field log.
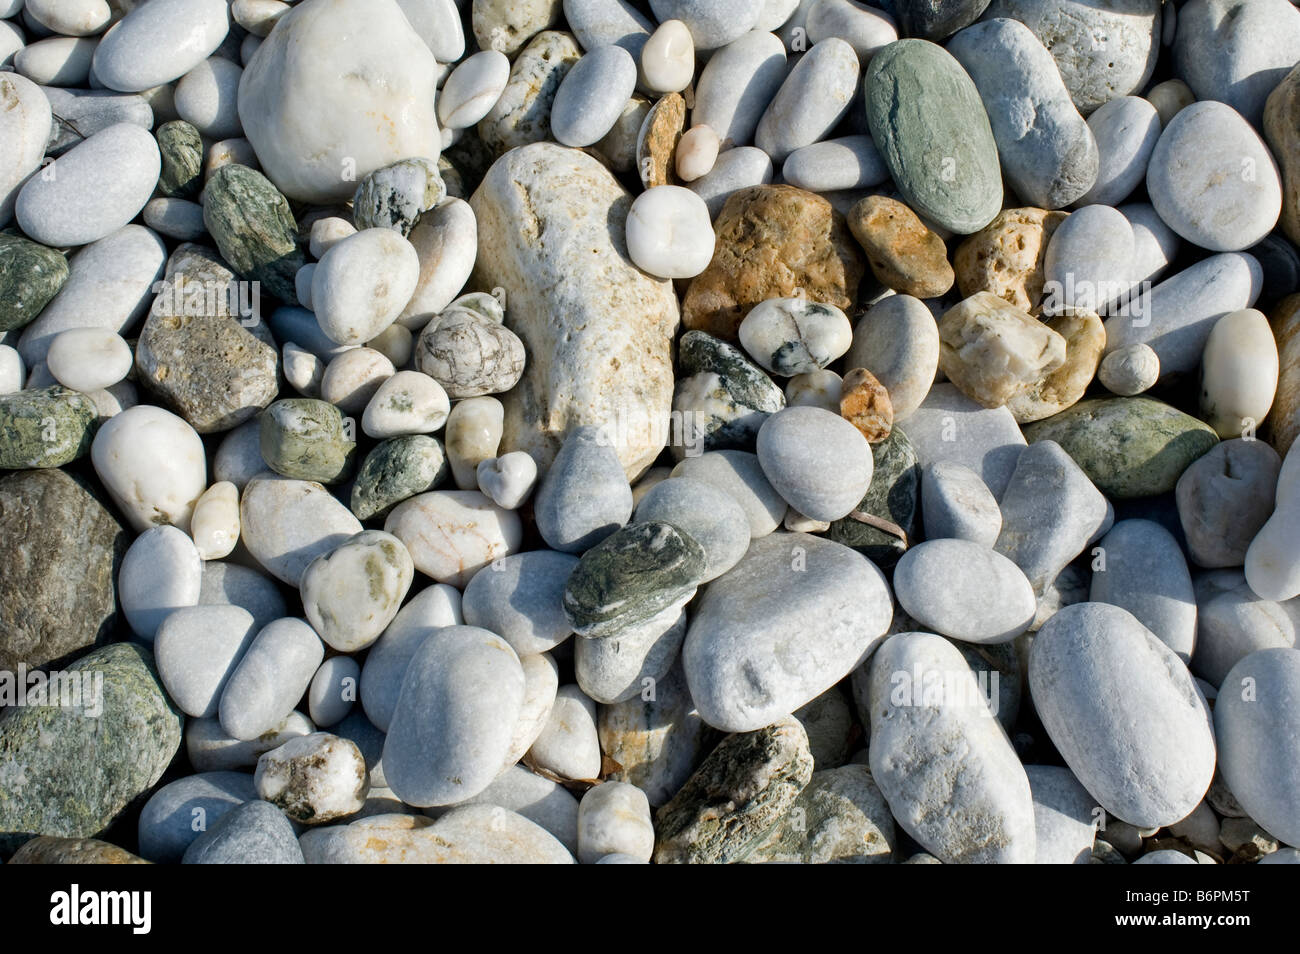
(362, 284)
(153, 465)
(584, 496)
(813, 99)
(736, 85)
(936, 585)
(568, 746)
(197, 649)
(160, 572)
(472, 89)
(1213, 180)
(591, 96)
(739, 474)
(270, 678)
(409, 402)
(790, 336)
(850, 162)
(453, 534)
(154, 46)
(1124, 713)
(286, 523)
(1127, 130)
(819, 462)
(1145, 573)
(520, 598)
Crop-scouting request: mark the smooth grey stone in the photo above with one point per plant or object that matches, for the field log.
(455, 717)
(521, 598)
(584, 495)
(736, 169)
(957, 505)
(255, 833)
(286, 524)
(1257, 721)
(817, 461)
(1213, 179)
(1126, 130)
(231, 584)
(1104, 48)
(270, 678)
(793, 618)
(1155, 244)
(290, 323)
(1232, 622)
(1123, 712)
(212, 749)
(710, 515)
(616, 668)
(741, 475)
(1236, 51)
(178, 813)
(948, 426)
(197, 649)
(998, 672)
(736, 86)
(333, 690)
(1283, 856)
(1065, 816)
(598, 23)
(540, 800)
(815, 96)
(386, 662)
(851, 162)
(1225, 498)
(864, 27)
(1050, 512)
(712, 23)
(1048, 153)
(1088, 262)
(1167, 856)
(1145, 573)
(81, 113)
(1175, 318)
(592, 95)
(964, 590)
(952, 780)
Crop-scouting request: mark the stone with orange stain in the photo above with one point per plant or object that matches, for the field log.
(773, 241)
(865, 404)
(1006, 256)
(656, 146)
(903, 252)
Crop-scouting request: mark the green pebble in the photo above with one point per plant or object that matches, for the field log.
(47, 427)
(305, 439)
(740, 394)
(181, 147)
(1128, 446)
(395, 470)
(254, 228)
(30, 275)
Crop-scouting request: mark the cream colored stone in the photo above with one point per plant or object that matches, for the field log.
(992, 350)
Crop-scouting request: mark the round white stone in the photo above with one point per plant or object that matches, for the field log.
(509, 479)
(453, 534)
(1239, 373)
(152, 463)
(70, 17)
(362, 284)
(472, 89)
(696, 153)
(24, 134)
(353, 378)
(446, 241)
(668, 58)
(669, 233)
(352, 593)
(58, 61)
(409, 402)
(88, 359)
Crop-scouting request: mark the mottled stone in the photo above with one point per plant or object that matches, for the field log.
(51, 850)
(394, 197)
(253, 226)
(30, 275)
(1006, 257)
(723, 397)
(522, 113)
(1085, 340)
(395, 470)
(903, 253)
(840, 818)
(46, 427)
(254, 833)
(993, 351)
(306, 440)
(891, 501)
(181, 148)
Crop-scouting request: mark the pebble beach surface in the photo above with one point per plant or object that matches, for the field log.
(650, 431)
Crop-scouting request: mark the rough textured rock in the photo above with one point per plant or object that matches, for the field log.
(45, 427)
(70, 775)
(1006, 257)
(993, 351)
(597, 330)
(903, 253)
(57, 594)
(51, 850)
(1085, 340)
(523, 112)
(840, 818)
(254, 228)
(727, 396)
(773, 242)
(735, 797)
(1284, 416)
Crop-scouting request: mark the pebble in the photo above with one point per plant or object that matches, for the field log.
(1007, 257)
(631, 575)
(468, 354)
(522, 113)
(762, 614)
(507, 26)
(230, 584)
(160, 572)
(591, 95)
(1124, 714)
(287, 523)
(711, 517)
(898, 342)
(667, 60)
(735, 87)
(57, 61)
(254, 833)
(1271, 568)
(957, 505)
(88, 359)
(151, 47)
(44, 426)
(453, 534)
(96, 188)
(1128, 447)
(903, 253)
(27, 129)
(351, 594)
(1239, 373)
(406, 403)
(333, 690)
(521, 599)
(362, 284)
(614, 818)
(1213, 180)
(1225, 498)
(1236, 52)
(790, 336)
(178, 813)
(473, 435)
(722, 397)
(352, 379)
(269, 679)
(310, 162)
(812, 100)
(507, 480)
(152, 464)
(1130, 370)
(1103, 53)
(78, 114)
(741, 475)
(306, 440)
(669, 234)
(472, 89)
(395, 196)
(1063, 816)
(950, 426)
(1048, 153)
(205, 98)
(820, 463)
(865, 29)
(622, 666)
(198, 648)
(1146, 574)
(313, 779)
(1126, 130)
(1279, 133)
(997, 606)
(1088, 262)
(711, 24)
(951, 778)
(815, 389)
(849, 162)
(584, 496)
(569, 746)
(253, 226)
(30, 275)
(731, 802)
(599, 23)
(993, 351)
(921, 102)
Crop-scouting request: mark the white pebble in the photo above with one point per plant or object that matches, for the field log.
(669, 233)
(509, 479)
(328, 232)
(88, 359)
(303, 370)
(409, 402)
(215, 524)
(352, 379)
(472, 89)
(362, 284)
(696, 153)
(474, 430)
(668, 58)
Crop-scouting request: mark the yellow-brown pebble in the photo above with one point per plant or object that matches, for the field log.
(657, 151)
(903, 253)
(864, 403)
(1006, 257)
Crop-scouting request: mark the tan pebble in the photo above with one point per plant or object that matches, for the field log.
(1006, 256)
(1085, 340)
(1282, 130)
(656, 146)
(992, 350)
(796, 522)
(1284, 418)
(865, 404)
(1169, 98)
(903, 253)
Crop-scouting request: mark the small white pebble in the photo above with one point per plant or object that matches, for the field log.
(668, 58)
(509, 479)
(328, 232)
(669, 232)
(696, 153)
(352, 379)
(88, 359)
(303, 370)
(215, 523)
